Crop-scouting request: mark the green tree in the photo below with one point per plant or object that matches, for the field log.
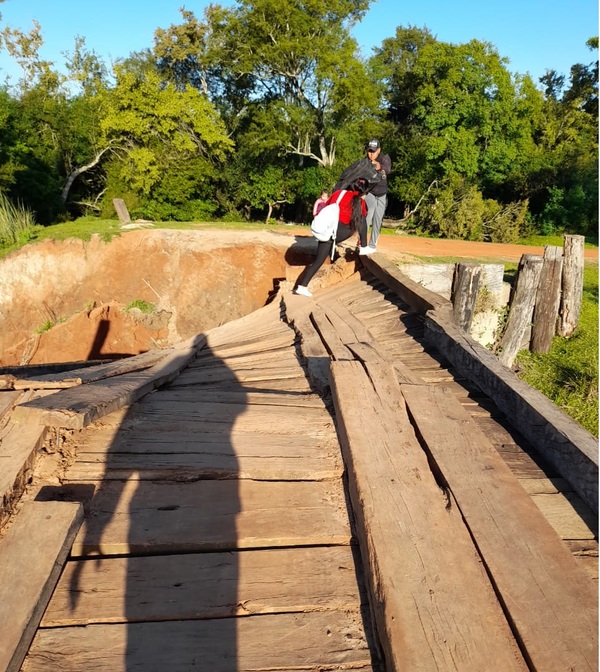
(167, 141)
(564, 183)
(286, 76)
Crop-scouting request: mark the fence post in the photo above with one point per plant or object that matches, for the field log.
(121, 210)
(521, 307)
(572, 285)
(547, 300)
(464, 293)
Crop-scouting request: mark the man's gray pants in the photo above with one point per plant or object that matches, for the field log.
(376, 206)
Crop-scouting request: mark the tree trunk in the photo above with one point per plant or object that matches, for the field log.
(521, 307)
(464, 293)
(78, 171)
(547, 300)
(572, 286)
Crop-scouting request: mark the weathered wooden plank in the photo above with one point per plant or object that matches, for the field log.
(433, 604)
(586, 554)
(256, 344)
(229, 412)
(76, 408)
(90, 374)
(570, 449)
(548, 597)
(160, 517)
(465, 289)
(138, 439)
(370, 352)
(32, 555)
(316, 641)
(416, 296)
(141, 455)
(522, 464)
(193, 466)
(352, 288)
(8, 398)
(241, 396)
(568, 515)
(545, 486)
(19, 446)
(313, 349)
(340, 316)
(248, 360)
(335, 345)
(233, 417)
(121, 210)
(261, 321)
(219, 375)
(207, 585)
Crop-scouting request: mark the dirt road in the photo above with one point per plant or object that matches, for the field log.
(438, 247)
(435, 247)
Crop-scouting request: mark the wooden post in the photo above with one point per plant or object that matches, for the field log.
(521, 307)
(121, 210)
(572, 286)
(547, 300)
(464, 293)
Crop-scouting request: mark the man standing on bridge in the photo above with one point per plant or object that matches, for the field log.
(376, 199)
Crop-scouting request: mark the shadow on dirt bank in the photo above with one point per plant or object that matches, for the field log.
(72, 301)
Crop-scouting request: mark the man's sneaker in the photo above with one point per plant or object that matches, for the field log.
(303, 291)
(366, 250)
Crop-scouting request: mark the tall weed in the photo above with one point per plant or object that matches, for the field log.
(17, 223)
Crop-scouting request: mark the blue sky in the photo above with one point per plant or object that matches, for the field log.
(534, 35)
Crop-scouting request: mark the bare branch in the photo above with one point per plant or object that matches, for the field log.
(411, 213)
(78, 171)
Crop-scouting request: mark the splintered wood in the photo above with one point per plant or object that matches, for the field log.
(217, 534)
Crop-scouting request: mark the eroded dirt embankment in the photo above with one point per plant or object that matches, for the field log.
(195, 279)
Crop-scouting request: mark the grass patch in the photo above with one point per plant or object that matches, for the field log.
(145, 307)
(85, 227)
(568, 374)
(48, 324)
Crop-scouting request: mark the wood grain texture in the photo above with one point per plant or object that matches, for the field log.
(315, 641)
(32, 555)
(165, 517)
(548, 597)
(417, 553)
(203, 586)
(78, 407)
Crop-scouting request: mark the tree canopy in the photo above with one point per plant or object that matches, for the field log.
(251, 109)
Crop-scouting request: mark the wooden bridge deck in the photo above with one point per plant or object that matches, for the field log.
(260, 512)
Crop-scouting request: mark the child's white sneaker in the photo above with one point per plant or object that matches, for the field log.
(366, 250)
(303, 291)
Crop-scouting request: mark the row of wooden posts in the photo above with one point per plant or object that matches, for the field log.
(545, 299)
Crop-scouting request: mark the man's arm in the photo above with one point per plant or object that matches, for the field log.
(386, 164)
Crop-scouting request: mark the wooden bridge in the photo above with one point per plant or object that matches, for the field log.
(339, 483)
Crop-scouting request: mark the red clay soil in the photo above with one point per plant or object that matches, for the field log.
(435, 247)
(201, 278)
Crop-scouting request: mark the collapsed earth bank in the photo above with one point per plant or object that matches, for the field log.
(72, 301)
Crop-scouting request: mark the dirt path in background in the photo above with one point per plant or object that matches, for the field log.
(396, 245)
(435, 247)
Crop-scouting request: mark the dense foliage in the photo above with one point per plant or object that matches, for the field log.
(250, 110)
